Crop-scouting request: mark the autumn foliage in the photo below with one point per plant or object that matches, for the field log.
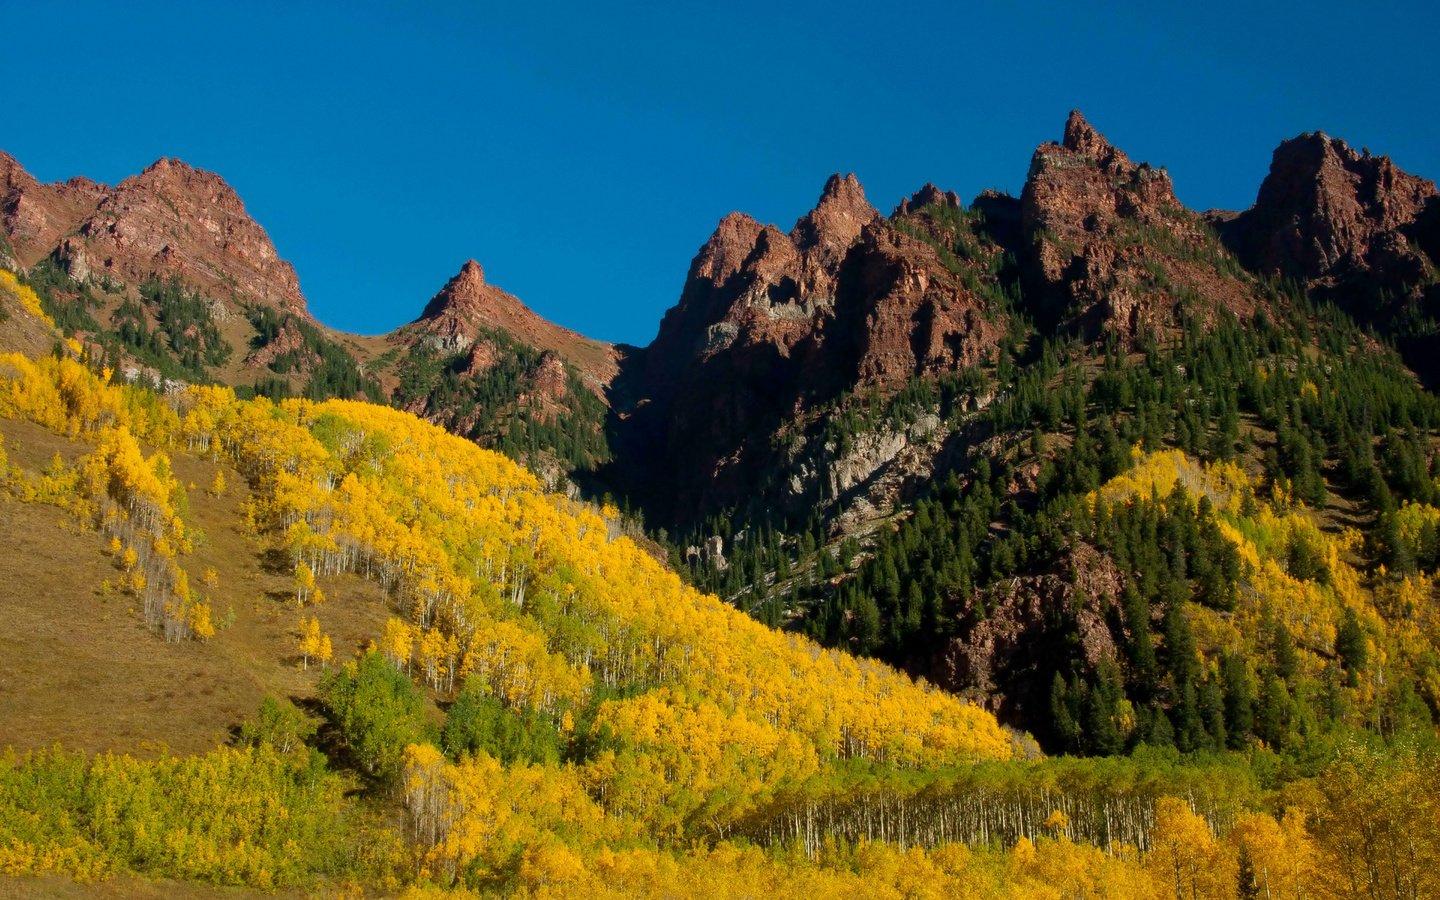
(653, 741)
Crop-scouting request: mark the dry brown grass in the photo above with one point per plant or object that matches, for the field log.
(79, 668)
(21, 331)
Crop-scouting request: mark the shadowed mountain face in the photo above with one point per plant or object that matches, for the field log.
(1326, 212)
(770, 325)
(773, 326)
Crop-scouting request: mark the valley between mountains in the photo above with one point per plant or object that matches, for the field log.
(1065, 545)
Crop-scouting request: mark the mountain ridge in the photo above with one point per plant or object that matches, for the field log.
(772, 326)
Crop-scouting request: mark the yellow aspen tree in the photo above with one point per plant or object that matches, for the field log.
(1057, 823)
(304, 582)
(433, 656)
(251, 519)
(309, 640)
(1183, 852)
(427, 794)
(1282, 856)
(1299, 867)
(201, 625)
(397, 642)
(452, 658)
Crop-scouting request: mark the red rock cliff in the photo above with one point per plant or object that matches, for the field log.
(171, 219)
(1107, 245)
(1326, 212)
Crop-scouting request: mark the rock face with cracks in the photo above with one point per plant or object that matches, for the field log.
(1326, 211)
(1001, 659)
(1108, 248)
(171, 220)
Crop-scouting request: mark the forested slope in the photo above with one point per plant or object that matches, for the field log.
(600, 726)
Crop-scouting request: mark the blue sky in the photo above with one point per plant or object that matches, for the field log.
(583, 153)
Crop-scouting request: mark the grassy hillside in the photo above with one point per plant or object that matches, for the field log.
(95, 679)
(188, 538)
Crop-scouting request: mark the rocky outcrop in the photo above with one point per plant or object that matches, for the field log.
(1109, 248)
(1326, 211)
(742, 349)
(771, 324)
(551, 382)
(825, 235)
(482, 358)
(1005, 657)
(170, 220)
(467, 306)
(35, 216)
(173, 219)
(289, 343)
(866, 478)
(754, 285)
(907, 314)
(1354, 228)
(497, 370)
(929, 195)
(1077, 190)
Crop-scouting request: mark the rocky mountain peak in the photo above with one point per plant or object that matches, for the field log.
(166, 165)
(467, 294)
(1096, 226)
(1084, 182)
(929, 195)
(1326, 211)
(174, 219)
(171, 220)
(769, 324)
(838, 185)
(11, 170)
(456, 316)
(1081, 137)
(174, 178)
(727, 249)
(835, 222)
(34, 216)
(1084, 154)
(756, 279)
(471, 273)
